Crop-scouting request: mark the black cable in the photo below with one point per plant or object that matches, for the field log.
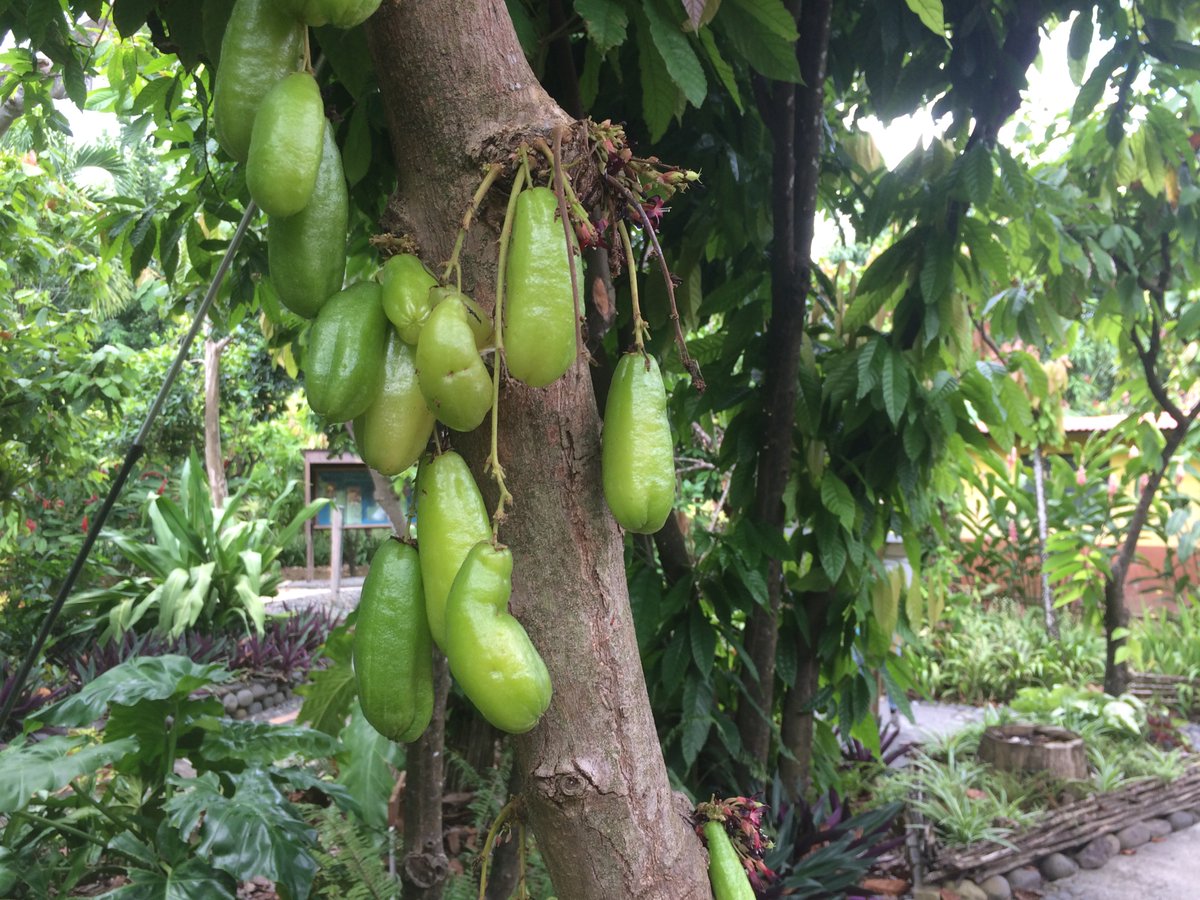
(131, 457)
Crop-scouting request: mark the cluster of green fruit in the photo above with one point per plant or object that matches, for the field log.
(396, 382)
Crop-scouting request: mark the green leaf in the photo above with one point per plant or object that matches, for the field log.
(976, 174)
(937, 271)
(52, 764)
(356, 152)
(1093, 89)
(704, 641)
(895, 386)
(659, 93)
(1079, 44)
(193, 879)
(763, 33)
(130, 15)
(836, 497)
(256, 832)
(368, 765)
(677, 54)
(931, 14)
(606, 22)
(867, 374)
(330, 691)
(832, 551)
(697, 718)
(261, 743)
(141, 678)
(722, 68)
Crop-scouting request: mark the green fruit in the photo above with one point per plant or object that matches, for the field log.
(406, 299)
(286, 146)
(725, 870)
(490, 655)
(343, 363)
(454, 380)
(451, 519)
(477, 317)
(395, 428)
(307, 252)
(539, 309)
(637, 455)
(338, 13)
(261, 46)
(393, 655)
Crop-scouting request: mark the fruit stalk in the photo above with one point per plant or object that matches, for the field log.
(493, 460)
(639, 324)
(489, 179)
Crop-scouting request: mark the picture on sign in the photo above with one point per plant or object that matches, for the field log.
(351, 488)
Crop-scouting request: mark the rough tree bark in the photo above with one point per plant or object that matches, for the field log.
(214, 459)
(794, 114)
(458, 91)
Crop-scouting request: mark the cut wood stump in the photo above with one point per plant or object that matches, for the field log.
(1035, 748)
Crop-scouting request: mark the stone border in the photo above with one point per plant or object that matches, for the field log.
(1057, 866)
(243, 699)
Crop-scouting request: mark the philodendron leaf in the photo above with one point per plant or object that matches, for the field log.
(261, 744)
(194, 879)
(141, 678)
(367, 767)
(52, 764)
(256, 832)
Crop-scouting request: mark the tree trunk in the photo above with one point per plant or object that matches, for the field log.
(458, 92)
(214, 459)
(795, 116)
(1116, 615)
(799, 718)
(425, 863)
(1039, 489)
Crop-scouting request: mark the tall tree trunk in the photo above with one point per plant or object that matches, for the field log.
(425, 863)
(457, 91)
(795, 116)
(799, 718)
(1039, 490)
(214, 459)
(1116, 614)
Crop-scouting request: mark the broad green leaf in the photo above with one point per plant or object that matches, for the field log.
(26, 769)
(931, 14)
(868, 374)
(254, 832)
(895, 386)
(141, 678)
(1093, 89)
(193, 879)
(764, 34)
(836, 497)
(1079, 44)
(703, 636)
(832, 552)
(677, 54)
(368, 763)
(261, 744)
(697, 718)
(937, 271)
(977, 174)
(722, 68)
(659, 93)
(330, 691)
(606, 22)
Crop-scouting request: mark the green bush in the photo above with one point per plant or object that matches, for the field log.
(206, 566)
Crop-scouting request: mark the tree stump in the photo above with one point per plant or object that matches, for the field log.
(1035, 748)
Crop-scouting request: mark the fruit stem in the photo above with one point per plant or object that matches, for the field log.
(690, 364)
(307, 54)
(489, 844)
(639, 324)
(560, 182)
(493, 172)
(522, 885)
(554, 157)
(493, 460)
